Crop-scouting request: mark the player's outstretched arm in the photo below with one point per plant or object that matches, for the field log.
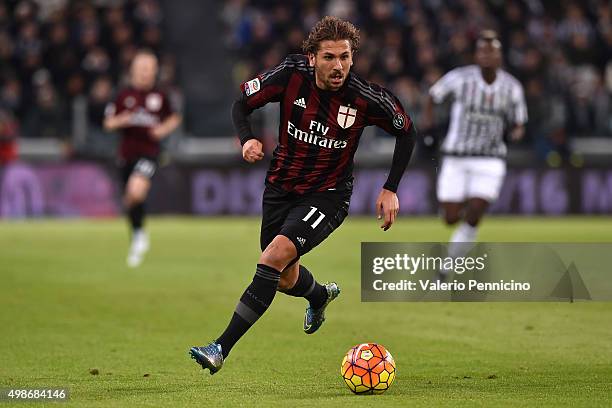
(259, 91)
(388, 113)
(252, 149)
(387, 204)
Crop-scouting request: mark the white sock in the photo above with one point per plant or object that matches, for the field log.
(462, 240)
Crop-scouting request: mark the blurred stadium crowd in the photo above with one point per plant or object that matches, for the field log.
(559, 50)
(61, 57)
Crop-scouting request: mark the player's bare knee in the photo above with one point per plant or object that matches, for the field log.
(138, 187)
(275, 257)
(279, 253)
(452, 212)
(139, 196)
(128, 201)
(133, 198)
(451, 218)
(473, 218)
(475, 210)
(474, 214)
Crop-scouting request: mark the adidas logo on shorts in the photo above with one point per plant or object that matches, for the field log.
(301, 240)
(301, 102)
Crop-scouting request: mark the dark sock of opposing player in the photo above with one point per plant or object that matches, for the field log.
(252, 305)
(307, 287)
(136, 215)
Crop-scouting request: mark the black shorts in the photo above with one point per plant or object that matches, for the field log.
(305, 219)
(145, 166)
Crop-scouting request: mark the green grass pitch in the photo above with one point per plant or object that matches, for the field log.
(68, 305)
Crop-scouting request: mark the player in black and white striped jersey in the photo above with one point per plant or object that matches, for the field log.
(486, 100)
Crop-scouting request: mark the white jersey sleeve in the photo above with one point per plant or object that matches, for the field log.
(519, 107)
(448, 84)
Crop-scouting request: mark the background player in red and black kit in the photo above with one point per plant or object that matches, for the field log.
(144, 117)
(323, 111)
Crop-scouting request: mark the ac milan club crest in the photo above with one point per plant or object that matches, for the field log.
(346, 116)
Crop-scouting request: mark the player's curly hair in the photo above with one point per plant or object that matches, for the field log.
(334, 29)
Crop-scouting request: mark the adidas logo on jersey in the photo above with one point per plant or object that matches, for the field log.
(302, 241)
(301, 102)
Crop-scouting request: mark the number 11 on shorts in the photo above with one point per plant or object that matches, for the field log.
(311, 213)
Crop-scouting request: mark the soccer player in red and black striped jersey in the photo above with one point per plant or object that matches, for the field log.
(324, 109)
(144, 117)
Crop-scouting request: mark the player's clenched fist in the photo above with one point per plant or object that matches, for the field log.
(252, 151)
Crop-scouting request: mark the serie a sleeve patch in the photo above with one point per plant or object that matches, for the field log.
(252, 86)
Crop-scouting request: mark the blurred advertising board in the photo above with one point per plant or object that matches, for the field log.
(84, 189)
